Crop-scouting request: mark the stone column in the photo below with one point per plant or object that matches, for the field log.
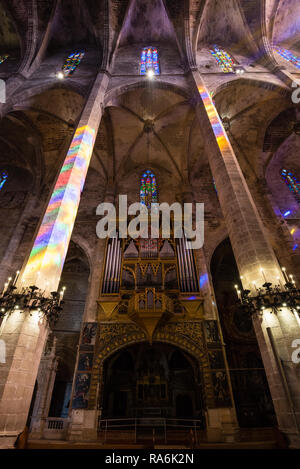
(45, 382)
(14, 243)
(46, 260)
(25, 334)
(91, 306)
(83, 424)
(205, 285)
(221, 423)
(252, 253)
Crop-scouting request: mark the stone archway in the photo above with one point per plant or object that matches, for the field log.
(156, 380)
(249, 384)
(186, 336)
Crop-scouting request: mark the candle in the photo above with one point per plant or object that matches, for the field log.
(237, 291)
(284, 274)
(292, 279)
(16, 277)
(4, 288)
(62, 292)
(278, 278)
(7, 284)
(254, 285)
(263, 274)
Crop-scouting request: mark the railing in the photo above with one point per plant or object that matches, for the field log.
(55, 424)
(56, 428)
(159, 430)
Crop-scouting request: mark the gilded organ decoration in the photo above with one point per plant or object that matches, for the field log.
(149, 281)
(150, 293)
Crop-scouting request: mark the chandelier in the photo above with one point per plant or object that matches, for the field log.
(30, 299)
(270, 297)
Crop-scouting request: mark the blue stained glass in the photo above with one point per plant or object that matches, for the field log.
(149, 61)
(3, 178)
(148, 189)
(292, 183)
(288, 55)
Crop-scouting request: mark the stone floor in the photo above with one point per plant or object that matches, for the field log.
(50, 444)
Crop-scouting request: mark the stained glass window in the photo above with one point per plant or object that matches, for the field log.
(224, 60)
(149, 61)
(3, 178)
(292, 183)
(72, 63)
(3, 58)
(148, 190)
(288, 55)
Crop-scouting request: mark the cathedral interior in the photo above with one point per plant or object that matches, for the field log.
(130, 341)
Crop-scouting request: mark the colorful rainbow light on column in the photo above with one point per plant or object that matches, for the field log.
(214, 119)
(48, 253)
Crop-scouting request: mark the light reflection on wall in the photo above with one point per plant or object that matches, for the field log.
(203, 280)
(48, 253)
(215, 120)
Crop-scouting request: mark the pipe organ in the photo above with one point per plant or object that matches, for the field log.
(111, 280)
(149, 279)
(134, 265)
(186, 267)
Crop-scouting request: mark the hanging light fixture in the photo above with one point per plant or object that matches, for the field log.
(269, 297)
(30, 299)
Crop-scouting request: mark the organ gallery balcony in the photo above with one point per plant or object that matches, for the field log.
(150, 301)
(148, 308)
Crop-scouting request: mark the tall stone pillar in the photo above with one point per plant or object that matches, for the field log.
(14, 243)
(45, 384)
(84, 422)
(24, 334)
(91, 306)
(256, 262)
(46, 260)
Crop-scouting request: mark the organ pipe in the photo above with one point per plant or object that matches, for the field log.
(179, 266)
(110, 266)
(190, 267)
(186, 271)
(113, 266)
(119, 266)
(105, 287)
(183, 279)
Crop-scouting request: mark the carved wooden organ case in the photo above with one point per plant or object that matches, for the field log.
(149, 281)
